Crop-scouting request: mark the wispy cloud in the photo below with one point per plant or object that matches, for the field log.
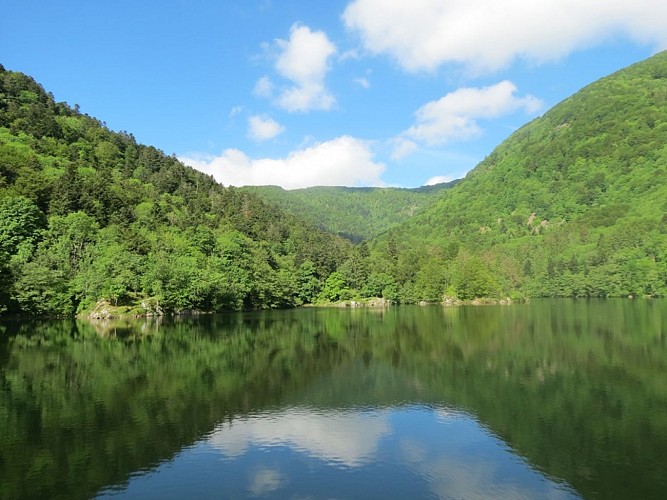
(236, 110)
(363, 82)
(264, 87)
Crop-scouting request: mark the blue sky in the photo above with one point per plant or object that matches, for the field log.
(300, 93)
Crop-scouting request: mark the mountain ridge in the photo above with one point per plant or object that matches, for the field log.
(355, 213)
(571, 198)
(573, 204)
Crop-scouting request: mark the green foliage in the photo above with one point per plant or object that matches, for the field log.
(20, 223)
(308, 283)
(335, 288)
(572, 204)
(354, 213)
(89, 215)
(472, 280)
(433, 280)
(380, 285)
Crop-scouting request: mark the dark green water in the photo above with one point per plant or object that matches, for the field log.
(553, 399)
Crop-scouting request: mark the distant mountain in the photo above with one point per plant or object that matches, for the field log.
(572, 204)
(354, 213)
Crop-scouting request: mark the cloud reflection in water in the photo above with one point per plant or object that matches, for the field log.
(448, 453)
(347, 438)
(398, 452)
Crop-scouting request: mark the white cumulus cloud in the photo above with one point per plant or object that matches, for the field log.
(455, 115)
(344, 161)
(304, 60)
(262, 128)
(486, 35)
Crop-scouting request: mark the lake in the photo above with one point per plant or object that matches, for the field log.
(552, 399)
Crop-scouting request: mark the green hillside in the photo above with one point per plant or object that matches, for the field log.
(88, 215)
(572, 204)
(357, 214)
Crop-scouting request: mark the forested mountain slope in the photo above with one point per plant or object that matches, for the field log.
(89, 214)
(355, 213)
(572, 204)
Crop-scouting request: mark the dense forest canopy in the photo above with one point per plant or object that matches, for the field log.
(88, 214)
(572, 204)
(357, 214)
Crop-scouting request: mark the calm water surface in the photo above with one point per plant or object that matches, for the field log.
(553, 399)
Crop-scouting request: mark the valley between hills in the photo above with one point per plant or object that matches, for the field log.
(573, 204)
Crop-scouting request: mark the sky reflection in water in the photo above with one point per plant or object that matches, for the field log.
(548, 399)
(396, 452)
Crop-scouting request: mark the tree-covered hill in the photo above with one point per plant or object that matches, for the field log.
(572, 204)
(87, 214)
(357, 214)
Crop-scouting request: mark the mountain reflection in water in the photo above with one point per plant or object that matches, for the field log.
(553, 399)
